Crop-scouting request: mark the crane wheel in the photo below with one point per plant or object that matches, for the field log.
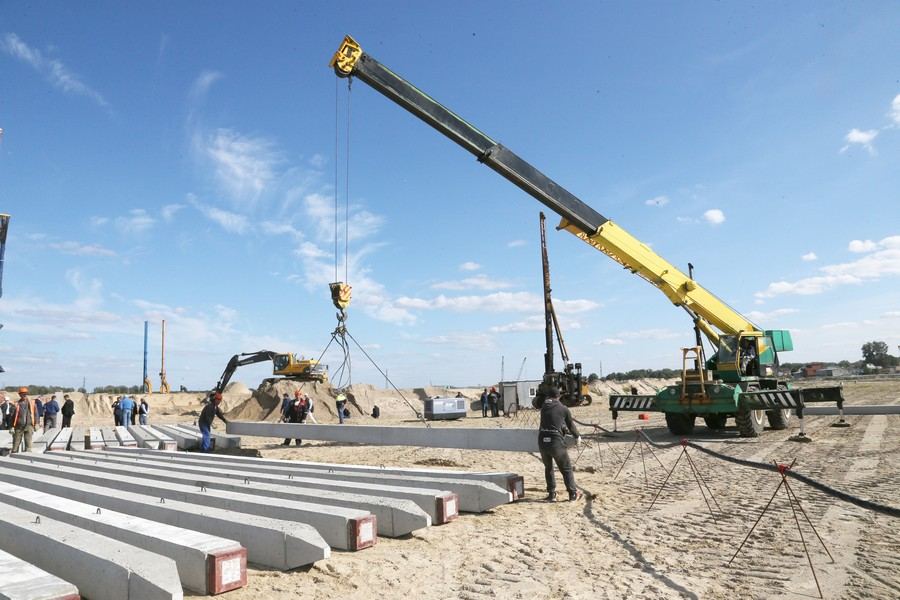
(715, 422)
(680, 424)
(586, 399)
(750, 423)
(780, 417)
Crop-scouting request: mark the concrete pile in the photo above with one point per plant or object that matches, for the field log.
(128, 523)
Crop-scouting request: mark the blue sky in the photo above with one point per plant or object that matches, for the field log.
(178, 162)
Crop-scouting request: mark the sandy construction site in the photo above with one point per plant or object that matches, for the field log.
(610, 544)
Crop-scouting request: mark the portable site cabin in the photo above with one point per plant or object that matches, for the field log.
(438, 408)
(520, 393)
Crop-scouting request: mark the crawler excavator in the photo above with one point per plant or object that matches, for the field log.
(285, 365)
(739, 380)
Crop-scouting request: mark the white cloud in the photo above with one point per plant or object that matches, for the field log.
(320, 209)
(533, 323)
(201, 86)
(478, 282)
(496, 302)
(610, 342)
(516, 244)
(471, 341)
(99, 221)
(895, 110)
(243, 166)
(657, 201)
(861, 246)
(54, 70)
(137, 221)
(685, 220)
(762, 317)
(79, 249)
(649, 334)
(862, 138)
(891, 314)
(714, 216)
(229, 221)
(169, 210)
(809, 257)
(882, 260)
(469, 266)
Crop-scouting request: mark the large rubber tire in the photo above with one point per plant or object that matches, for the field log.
(586, 399)
(715, 422)
(680, 424)
(750, 423)
(779, 418)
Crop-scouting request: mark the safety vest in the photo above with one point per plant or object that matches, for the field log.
(33, 410)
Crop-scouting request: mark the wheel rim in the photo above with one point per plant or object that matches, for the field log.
(758, 416)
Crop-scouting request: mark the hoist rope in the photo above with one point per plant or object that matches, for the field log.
(347, 189)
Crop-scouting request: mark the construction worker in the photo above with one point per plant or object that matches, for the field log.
(339, 402)
(117, 410)
(484, 403)
(126, 405)
(51, 409)
(68, 410)
(7, 409)
(555, 421)
(204, 423)
(143, 411)
(24, 420)
(494, 402)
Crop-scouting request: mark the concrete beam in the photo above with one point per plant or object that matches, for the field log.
(857, 409)
(125, 439)
(144, 438)
(223, 440)
(5, 440)
(206, 564)
(94, 439)
(20, 580)
(77, 440)
(182, 440)
(395, 517)
(167, 442)
(61, 442)
(269, 542)
(474, 496)
(342, 528)
(109, 437)
(103, 569)
(513, 440)
(441, 506)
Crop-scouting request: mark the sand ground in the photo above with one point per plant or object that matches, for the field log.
(611, 544)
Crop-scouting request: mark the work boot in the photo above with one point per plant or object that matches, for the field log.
(286, 443)
(576, 495)
(551, 497)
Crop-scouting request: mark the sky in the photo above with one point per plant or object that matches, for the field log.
(183, 161)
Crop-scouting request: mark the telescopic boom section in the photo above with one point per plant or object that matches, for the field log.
(577, 217)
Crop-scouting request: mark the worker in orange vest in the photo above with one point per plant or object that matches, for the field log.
(24, 421)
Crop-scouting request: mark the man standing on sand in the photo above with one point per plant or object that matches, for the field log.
(143, 411)
(126, 405)
(7, 409)
(339, 403)
(204, 423)
(555, 421)
(68, 409)
(494, 401)
(51, 409)
(484, 403)
(24, 420)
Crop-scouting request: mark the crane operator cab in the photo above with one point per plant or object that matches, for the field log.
(748, 356)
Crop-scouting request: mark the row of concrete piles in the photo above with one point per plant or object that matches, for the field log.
(125, 522)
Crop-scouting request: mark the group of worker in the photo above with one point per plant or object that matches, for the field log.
(25, 416)
(128, 412)
(296, 410)
(490, 400)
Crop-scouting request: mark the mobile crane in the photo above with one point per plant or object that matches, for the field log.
(740, 380)
(572, 385)
(287, 365)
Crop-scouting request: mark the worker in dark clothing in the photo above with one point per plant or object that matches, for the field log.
(68, 409)
(484, 403)
(204, 422)
(556, 420)
(494, 402)
(7, 409)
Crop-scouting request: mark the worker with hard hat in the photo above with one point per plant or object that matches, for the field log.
(24, 421)
(207, 415)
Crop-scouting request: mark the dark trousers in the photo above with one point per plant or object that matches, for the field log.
(67, 421)
(484, 407)
(553, 449)
(301, 419)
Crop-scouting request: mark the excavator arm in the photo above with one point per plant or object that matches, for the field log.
(709, 313)
(239, 360)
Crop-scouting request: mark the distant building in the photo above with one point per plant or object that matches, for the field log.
(518, 392)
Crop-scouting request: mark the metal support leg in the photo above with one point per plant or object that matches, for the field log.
(801, 437)
(841, 422)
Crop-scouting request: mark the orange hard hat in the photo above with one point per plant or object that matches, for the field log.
(218, 396)
(23, 390)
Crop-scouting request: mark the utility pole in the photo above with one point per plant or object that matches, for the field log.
(148, 387)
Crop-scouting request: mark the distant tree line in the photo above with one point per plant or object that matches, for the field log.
(40, 390)
(638, 374)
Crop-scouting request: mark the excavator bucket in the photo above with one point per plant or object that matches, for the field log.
(340, 294)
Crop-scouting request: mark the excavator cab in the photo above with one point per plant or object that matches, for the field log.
(305, 369)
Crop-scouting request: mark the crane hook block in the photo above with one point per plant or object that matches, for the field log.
(340, 294)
